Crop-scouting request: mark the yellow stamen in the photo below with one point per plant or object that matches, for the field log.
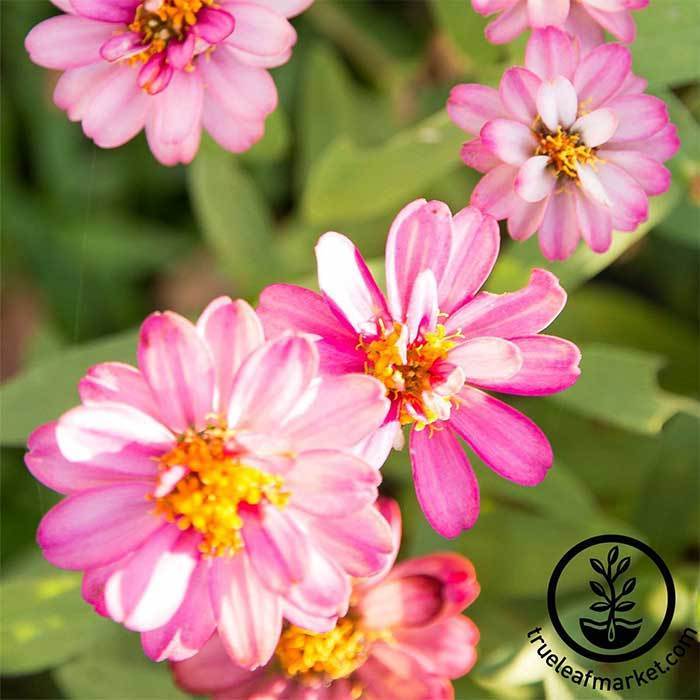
(208, 497)
(330, 656)
(565, 151)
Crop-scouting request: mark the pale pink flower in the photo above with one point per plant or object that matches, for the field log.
(436, 342)
(213, 488)
(173, 67)
(570, 146)
(586, 19)
(403, 639)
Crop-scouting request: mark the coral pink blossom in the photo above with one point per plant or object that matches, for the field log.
(436, 342)
(172, 67)
(214, 488)
(586, 19)
(403, 639)
(570, 146)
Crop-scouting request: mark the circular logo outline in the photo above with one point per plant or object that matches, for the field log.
(603, 539)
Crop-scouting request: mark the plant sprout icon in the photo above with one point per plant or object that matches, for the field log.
(614, 632)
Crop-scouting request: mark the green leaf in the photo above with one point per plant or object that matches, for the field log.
(117, 669)
(44, 392)
(515, 264)
(665, 51)
(234, 219)
(45, 622)
(619, 386)
(352, 183)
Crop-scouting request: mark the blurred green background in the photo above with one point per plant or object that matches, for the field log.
(94, 240)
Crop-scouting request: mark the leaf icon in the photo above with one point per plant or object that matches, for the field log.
(597, 566)
(600, 606)
(627, 605)
(623, 566)
(630, 583)
(598, 589)
(613, 554)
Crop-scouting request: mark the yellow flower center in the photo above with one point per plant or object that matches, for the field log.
(159, 21)
(565, 151)
(209, 497)
(326, 657)
(407, 375)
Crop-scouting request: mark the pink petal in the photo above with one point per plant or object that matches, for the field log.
(518, 91)
(506, 440)
(231, 331)
(549, 365)
(276, 546)
(596, 127)
(601, 74)
(376, 447)
(117, 11)
(547, 12)
(149, 589)
(447, 648)
(391, 511)
(286, 8)
(232, 133)
(591, 185)
(511, 315)
(559, 231)
(509, 25)
(640, 117)
(213, 25)
(477, 156)
(192, 625)
(595, 223)
(115, 382)
(248, 614)
(114, 436)
(550, 53)
(654, 178)
(535, 180)
(422, 312)
(488, 7)
(526, 218)
(345, 279)
(67, 41)
(76, 86)
(330, 483)
(419, 239)
(445, 483)
(178, 367)
(630, 204)
(95, 527)
(557, 103)
(259, 31)
(475, 244)
(487, 359)
(338, 412)
(360, 543)
(494, 194)
(584, 28)
(619, 24)
(661, 146)
(271, 382)
(181, 53)
(470, 106)
(510, 141)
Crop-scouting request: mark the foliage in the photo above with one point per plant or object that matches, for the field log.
(94, 240)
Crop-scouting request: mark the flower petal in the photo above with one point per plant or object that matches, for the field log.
(345, 279)
(601, 73)
(559, 230)
(595, 223)
(506, 440)
(514, 314)
(654, 178)
(508, 140)
(557, 103)
(445, 483)
(547, 12)
(470, 106)
(95, 527)
(640, 117)
(259, 31)
(596, 127)
(526, 218)
(477, 156)
(178, 367)
(231, 331)
(422, 312)
(630, 204)
(117, 11)
(508, 25)
(494, 193)
(487, 359)
(551, 53)
(535, 180)
(518, 91)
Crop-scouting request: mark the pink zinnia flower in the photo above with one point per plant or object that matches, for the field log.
(402, 639)
(571, 147)
(435, 343)
(172, 67)
(586, 19)
(214, 488)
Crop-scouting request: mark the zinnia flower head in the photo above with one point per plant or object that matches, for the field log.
(570, 145)
(172, 67)
(214, 487)
(435, 342)
(403, 638)
(586, 19)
